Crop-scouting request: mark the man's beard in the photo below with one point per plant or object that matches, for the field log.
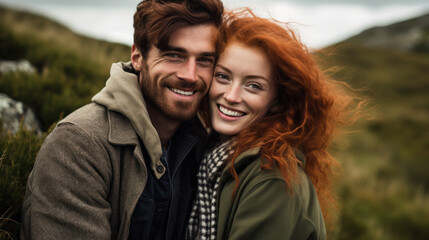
(151, 93)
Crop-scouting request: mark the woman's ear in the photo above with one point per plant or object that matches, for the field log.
(136, 58)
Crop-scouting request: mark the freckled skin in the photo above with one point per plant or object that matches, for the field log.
(243, 90)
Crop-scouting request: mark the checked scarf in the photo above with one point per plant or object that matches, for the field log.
(202, 222)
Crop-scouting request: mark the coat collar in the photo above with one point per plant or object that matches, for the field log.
(249, 155)
(121, 132)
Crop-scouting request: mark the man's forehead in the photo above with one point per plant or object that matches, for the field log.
(195, 39)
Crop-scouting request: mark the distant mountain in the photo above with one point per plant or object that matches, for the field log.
(19, 29)
(409, 35)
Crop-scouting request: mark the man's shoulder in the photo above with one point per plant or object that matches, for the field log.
(97, 121)
(89, 116)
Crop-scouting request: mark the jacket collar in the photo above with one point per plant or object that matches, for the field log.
(121, 131)
(249, 155)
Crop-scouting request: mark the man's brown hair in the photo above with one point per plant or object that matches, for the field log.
(155, 20)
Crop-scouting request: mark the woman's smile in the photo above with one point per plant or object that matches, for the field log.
(242, 90)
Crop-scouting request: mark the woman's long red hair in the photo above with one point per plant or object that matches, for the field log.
(312, 106)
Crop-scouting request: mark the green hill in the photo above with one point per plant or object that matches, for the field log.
(385, 182)
(71, 68)
(384, 185)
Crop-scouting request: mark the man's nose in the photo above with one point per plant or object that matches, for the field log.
(189, 71)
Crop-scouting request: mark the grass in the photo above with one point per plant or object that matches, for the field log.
(16, 161)
(71, 68)
(384, 187)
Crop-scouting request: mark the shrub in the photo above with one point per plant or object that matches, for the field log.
(16, 161)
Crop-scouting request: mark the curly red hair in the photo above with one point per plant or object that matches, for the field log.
(312, 106)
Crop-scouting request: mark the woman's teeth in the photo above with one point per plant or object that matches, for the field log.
(230, 112)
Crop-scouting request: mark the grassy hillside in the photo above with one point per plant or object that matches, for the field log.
(384, 184)
(71, 68)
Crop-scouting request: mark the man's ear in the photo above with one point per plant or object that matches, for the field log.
(136, 58)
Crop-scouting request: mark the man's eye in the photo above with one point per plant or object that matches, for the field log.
(206, 61)
(173, 55)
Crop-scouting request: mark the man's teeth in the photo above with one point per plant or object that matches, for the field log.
(181, 92)
(230, 112)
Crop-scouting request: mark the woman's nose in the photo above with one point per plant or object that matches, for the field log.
(233, 94)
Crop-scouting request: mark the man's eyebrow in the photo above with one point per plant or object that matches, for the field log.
(175, 49)
(209, 54)
(183, 50)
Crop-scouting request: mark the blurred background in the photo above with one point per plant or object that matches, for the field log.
(56, 54)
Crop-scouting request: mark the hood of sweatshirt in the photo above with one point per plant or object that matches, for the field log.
(122, 94)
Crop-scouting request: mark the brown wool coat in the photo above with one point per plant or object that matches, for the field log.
(90, 171)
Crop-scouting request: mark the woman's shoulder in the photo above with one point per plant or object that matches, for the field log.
(248, 167)
(250, 172)
(300, 200)
(250, 162)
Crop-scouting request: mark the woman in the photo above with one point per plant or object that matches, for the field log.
(273, 113)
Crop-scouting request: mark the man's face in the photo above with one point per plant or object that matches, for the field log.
(174, 81)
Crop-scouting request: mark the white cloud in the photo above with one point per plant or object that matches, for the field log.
(324, 24)
(107, 23)
(318, 24)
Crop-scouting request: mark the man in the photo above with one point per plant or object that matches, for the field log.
(124, 166)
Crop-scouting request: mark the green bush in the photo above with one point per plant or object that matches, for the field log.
(16, 161)
(11, 47)
(65, 82)
(70, 68)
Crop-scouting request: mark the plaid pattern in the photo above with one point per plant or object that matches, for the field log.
(202, 222)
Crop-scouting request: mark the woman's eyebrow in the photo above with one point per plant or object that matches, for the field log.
(224, 68)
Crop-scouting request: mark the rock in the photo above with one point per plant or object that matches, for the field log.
(12, 112)
(7, 66)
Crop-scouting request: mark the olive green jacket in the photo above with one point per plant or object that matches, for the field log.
(263, 208)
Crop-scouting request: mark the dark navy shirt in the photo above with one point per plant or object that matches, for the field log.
(163, 208)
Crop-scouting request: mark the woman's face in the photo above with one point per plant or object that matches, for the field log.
(243, 89)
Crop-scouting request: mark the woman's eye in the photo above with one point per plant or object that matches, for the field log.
(255, 86)
(222, 76)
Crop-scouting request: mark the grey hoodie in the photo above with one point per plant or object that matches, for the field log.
(122, 94)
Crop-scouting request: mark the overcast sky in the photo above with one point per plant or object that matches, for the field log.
(319, 22)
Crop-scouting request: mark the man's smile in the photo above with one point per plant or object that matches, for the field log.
(182, 92)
